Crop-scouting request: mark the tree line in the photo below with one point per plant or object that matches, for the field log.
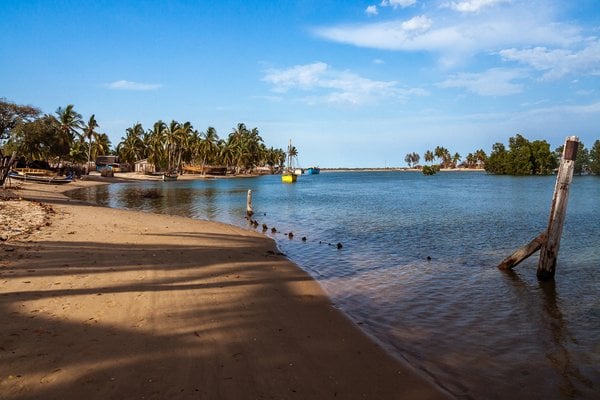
(525, 157)
(522, 157)
(445, 159)
(66, 136)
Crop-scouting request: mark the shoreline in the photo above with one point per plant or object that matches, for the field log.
(103, 302)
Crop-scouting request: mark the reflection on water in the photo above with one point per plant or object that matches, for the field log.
(417, 269)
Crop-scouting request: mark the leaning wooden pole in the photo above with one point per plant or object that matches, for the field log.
(549, 250)
(521, 254)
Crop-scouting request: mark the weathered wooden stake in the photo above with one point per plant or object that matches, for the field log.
(521, 254)
(549, 250)
(249, 211)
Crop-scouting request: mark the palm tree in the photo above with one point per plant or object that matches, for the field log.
(101, 144)
(155, 142)
(209, 146)
(69, 123)
(429, 156)
(455, 159)
(89, 133)
(481, 157)
(471, 160)
(131, 147)
(226, 154)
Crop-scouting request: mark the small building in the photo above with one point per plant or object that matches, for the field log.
(103, 162)
(143, 167)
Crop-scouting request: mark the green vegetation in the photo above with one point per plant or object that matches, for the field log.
(524, 157)
(445, 159)
(430, 169)
(412, 159)
(65, 136)
(595, 158)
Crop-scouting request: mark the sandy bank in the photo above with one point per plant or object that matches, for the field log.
(100, 303)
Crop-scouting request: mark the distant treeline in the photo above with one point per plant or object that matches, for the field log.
(523, 157)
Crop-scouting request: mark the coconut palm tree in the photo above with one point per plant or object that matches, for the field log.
(131, 147)
(455, 159)
(101, 145)
(226, 154)
(209, 146)
(89, 133)
(481, 157)
(429, 156)
(69, 123)
(155, 142)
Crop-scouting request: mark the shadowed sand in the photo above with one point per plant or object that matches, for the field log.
(112, 304)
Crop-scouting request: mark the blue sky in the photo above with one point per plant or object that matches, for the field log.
(352, 83)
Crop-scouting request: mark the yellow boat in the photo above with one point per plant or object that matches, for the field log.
(289, 177)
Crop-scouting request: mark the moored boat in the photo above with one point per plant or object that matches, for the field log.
(288, 175)
(313, 170)
(39, 177)
(169, 177)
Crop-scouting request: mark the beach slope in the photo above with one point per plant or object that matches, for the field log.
(99, 303)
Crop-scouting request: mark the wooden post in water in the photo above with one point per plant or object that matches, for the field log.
(521, 254)
(249, 211)
(549, 249)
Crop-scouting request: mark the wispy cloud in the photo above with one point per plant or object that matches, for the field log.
(455, 37)
(493, 82)
(397, 3)
(473, 6)
(372, 10)
(129, 85)
(557, 63)
(322, 84)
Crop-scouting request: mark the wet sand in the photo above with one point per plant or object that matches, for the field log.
(99, 303)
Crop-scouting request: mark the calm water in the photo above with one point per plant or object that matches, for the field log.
(478, 332)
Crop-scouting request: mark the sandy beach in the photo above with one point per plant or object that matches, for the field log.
(99, 303)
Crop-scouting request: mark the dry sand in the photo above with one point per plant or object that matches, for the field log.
(99, 303)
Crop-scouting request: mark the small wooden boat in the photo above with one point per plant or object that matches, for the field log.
(40, 178)
(169, 177)
(313, 170)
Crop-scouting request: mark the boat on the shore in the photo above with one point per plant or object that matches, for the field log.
(169, 177)
(39, 176)
(288, 175)
(313, 170)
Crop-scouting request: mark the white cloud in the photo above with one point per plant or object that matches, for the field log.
(455, 38)
(378, 61)
(371, 10)
(420, 23)
(473, 6)
(129, 85)
(397, 3)
(493, 82)
(327, 85)
(558, 62)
